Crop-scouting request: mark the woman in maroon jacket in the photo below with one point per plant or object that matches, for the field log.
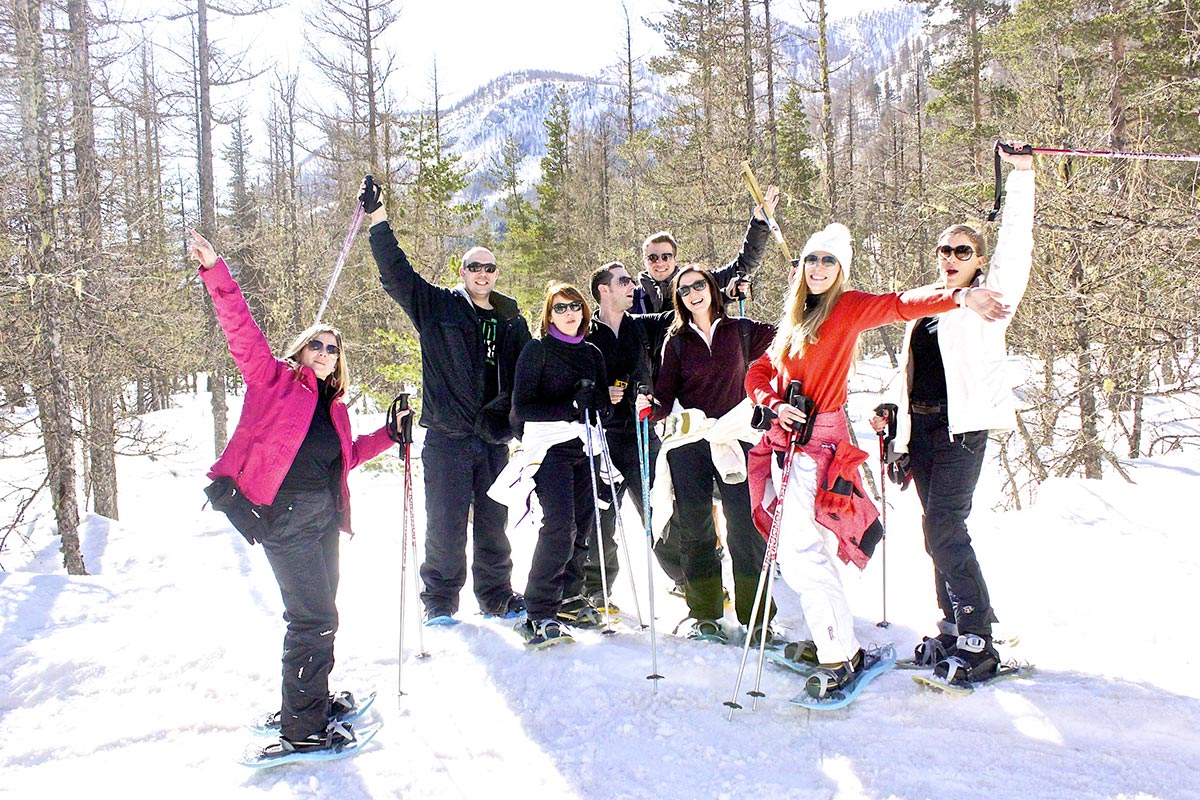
(705, 358)
(290, 454)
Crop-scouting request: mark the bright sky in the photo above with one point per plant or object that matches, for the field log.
(474, 41)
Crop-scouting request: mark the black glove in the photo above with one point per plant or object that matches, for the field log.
(588, 397)
(372, 194)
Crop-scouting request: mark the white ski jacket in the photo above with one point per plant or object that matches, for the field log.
(979, 383)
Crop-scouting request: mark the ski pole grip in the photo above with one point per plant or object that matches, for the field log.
(1024, 150)
(399, 428)
(888, 411)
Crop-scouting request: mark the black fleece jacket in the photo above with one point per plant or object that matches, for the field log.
(546, 375)
(453, 354)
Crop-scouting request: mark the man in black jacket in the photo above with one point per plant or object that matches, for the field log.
(470, 337)
(659, 257)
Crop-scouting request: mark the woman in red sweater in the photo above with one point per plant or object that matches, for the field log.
(825, 510)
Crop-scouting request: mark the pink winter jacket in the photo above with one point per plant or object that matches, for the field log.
(278, 407)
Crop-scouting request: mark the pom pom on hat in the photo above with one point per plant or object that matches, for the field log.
(835, 240)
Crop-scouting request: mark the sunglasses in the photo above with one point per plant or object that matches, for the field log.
(316, 345)
(963, 252)
(624, 280)
(829, 261)
(476, 266)
(654, 258)
(699, 285)
(562, 308)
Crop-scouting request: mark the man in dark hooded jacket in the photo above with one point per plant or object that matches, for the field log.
(470, 337)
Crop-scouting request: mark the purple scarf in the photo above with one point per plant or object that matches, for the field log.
(562, 337)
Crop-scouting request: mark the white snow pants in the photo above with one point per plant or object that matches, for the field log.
(806, 556)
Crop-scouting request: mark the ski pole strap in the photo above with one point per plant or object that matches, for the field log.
(347, 243)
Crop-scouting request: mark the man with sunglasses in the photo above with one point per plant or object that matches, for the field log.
(659, 256)
(626, 342)
(470, 337)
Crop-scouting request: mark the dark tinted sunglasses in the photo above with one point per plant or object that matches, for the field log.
(829, 261)
(316, 345)
(624, 280)
(562, 308)
(684, 291)
(476, 266)
(654, 258)
(963, 252)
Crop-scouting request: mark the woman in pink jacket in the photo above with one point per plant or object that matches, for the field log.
(290, 455)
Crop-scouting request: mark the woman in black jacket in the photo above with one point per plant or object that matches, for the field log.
(558, 378)
(704, 365)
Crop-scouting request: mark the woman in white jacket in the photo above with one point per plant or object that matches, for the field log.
(954, 388)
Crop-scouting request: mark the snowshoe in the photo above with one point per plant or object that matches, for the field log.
(974, 659)
(341, 740)
(578, 612)
(343, 707)
(797, 656)
(707, 630)
(439, 618)
(543, 633)
(1003, 672)
(510, 607)
(774, 642)
(829, 688)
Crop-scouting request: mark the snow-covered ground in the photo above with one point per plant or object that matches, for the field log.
(138, 680)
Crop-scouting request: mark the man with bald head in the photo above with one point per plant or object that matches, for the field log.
(470, 336)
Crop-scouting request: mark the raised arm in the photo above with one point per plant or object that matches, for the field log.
(755, 244)
(1008, 272)
(249, 347)
(418, 297)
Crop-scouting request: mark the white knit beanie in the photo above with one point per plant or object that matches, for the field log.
(835, 240)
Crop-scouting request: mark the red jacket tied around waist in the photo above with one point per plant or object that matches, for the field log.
(850, 514)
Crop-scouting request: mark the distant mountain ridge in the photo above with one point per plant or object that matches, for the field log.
(516, 104)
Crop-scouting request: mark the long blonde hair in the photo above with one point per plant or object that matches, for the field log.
(340, 377)
(799, 326)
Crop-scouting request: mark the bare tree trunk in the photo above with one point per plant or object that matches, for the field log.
(826, 110)
(1089, 437)
(976, 91)
(101, 432)
(771, 93)
(748, 66)
(208, 225)
(52, 386)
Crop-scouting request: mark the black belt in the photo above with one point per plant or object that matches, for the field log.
(927, 408)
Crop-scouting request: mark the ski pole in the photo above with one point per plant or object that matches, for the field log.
(643, 436)
(347, 243)
(608, 465)
(591, 457)
(766, 576)
(1028, 150)
(400, 432)
(888, 412)
(756, 193)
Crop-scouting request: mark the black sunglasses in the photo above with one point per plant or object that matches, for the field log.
(684, 291)
(624, 280)
(562, 308)
(963, 252)
(476, 266)
(316, 345)
(654, 258)
(829, 261)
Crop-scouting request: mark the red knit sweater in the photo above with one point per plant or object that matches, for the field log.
(825, 366)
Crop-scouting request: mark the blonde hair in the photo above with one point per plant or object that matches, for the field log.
(800, 326)
(340, 377)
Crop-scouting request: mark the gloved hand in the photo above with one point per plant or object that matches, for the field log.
(588, 398)
(836, 493)
(372, 195)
